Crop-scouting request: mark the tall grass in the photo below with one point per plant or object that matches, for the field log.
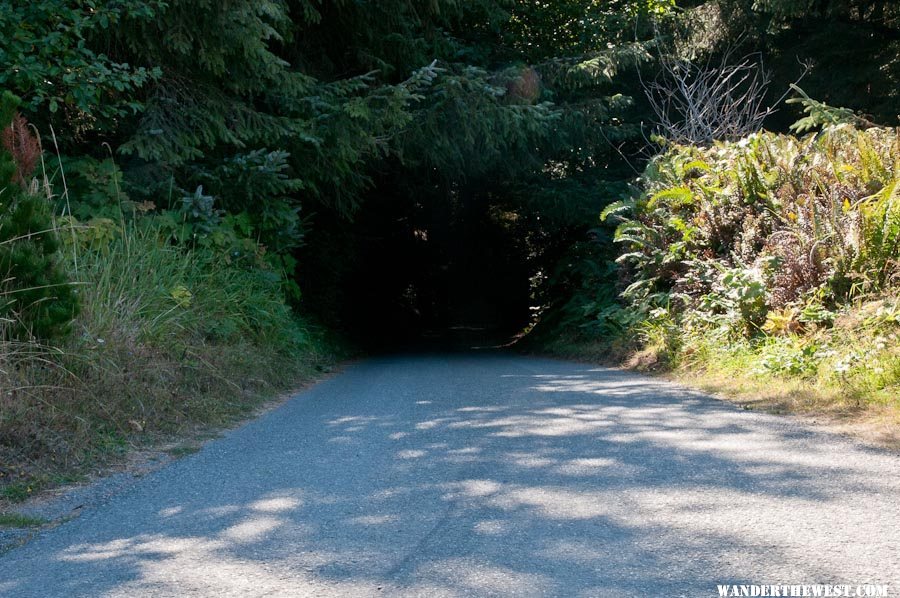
(167, 338)
(164, 337)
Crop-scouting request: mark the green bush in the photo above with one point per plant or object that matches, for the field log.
(773, 256)
(182, 297)
(168, 338)
(765, 223)
(36, 298)
(48, 61)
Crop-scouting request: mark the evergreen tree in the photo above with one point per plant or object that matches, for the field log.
(453, 112)
(36, 299)
(845, 50)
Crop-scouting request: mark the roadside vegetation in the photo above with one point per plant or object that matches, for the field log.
(766, 268)
(165, 339)
(128, 329)
(757, 254)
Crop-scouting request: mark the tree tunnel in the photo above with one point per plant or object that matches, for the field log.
(450, 269)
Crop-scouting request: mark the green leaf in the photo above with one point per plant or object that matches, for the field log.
(674, 197)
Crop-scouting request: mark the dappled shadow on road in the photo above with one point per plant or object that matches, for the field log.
(497, 476)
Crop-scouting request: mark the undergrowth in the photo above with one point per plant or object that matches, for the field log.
(772, 262)
(131, 326)
(168, 338)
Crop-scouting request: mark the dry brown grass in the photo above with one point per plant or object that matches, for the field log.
(873, 423)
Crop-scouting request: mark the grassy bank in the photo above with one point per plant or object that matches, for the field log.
(766, 269)
(167, 339)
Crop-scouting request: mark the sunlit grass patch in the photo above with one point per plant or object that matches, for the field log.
(17, 520)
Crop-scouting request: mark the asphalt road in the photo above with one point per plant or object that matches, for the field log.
(486, 475)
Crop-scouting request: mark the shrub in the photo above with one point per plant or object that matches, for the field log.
(168, 337)
(182, 297)
(800, 217)
(35, 296)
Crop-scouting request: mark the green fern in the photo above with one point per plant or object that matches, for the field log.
(617, 210)
(675, 198)
(880, 255)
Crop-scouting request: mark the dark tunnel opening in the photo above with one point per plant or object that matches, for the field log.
(449, 274)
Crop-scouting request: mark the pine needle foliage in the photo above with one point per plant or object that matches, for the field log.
(36, 299)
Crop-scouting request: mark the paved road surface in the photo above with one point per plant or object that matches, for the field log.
(486, 475)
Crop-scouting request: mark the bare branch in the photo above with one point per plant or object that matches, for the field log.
(700, 103)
